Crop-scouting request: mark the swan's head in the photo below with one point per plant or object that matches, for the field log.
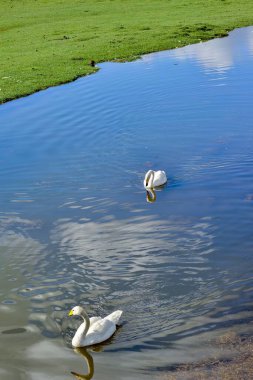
(77, 310)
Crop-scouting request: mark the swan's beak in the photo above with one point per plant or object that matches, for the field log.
(70, 313)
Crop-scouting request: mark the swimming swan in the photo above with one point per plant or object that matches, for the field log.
(154, 179)
(94, 330)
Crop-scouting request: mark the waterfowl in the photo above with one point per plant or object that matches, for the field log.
(154, 179)
(94, 330)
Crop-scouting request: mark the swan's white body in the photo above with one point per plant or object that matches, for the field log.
(94, 330)
(154, 179)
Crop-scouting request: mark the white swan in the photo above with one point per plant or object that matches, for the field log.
(154, 179)
(94, 330)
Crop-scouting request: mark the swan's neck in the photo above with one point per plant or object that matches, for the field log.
(86, 319)
(82, 330)
(151, 179)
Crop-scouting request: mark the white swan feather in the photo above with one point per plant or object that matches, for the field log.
(154, 179)
(95, 329)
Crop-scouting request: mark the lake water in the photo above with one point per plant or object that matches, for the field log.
(76, 227)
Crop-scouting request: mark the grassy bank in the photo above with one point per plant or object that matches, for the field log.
(48, 42)
(234, 361)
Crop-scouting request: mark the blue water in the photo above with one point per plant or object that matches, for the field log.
(76, 228)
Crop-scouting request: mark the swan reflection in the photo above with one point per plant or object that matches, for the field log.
(90, 364)
(150, 195)
(85, 353)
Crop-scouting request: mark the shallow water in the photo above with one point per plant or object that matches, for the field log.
(76, 227)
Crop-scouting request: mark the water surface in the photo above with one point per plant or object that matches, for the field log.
(76, 227)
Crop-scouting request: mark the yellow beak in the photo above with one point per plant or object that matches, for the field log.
(70, 313)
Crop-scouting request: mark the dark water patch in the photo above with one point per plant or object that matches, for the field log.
(18, 330)
(8, 302)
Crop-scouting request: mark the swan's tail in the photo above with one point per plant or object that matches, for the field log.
(115, 316)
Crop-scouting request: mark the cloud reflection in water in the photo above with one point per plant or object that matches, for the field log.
(218, 54)
(133, 264)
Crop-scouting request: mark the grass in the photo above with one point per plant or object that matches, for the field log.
(49, 42)
(234, 362)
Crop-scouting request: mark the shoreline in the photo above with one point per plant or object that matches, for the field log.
(58, 48)
(233, 361)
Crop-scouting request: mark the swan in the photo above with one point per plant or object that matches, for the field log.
(94, 330)
(154, 179)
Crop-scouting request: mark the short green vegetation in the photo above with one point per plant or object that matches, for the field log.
(48, 42)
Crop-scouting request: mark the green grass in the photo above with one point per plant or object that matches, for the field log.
(48, 42)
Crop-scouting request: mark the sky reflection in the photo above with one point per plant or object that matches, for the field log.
(217, 55)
